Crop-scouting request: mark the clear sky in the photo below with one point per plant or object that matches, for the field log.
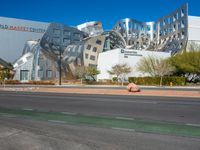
(74, 12)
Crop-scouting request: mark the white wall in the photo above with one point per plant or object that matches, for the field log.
(12, 41)
(119, 56)
(194, 28)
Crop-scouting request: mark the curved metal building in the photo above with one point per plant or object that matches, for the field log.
(81, 45)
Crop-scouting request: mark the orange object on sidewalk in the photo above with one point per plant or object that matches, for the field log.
(133, 87)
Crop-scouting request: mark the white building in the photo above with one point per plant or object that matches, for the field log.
(194, 29)
(120, 56)
(14, 33)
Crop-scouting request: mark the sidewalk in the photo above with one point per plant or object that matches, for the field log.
(112, 91)
(121, 92)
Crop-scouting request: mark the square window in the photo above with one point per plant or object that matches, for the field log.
(92, 57)
(94, 49)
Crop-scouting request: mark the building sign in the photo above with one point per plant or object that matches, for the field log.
(129, 53)
(22, 28)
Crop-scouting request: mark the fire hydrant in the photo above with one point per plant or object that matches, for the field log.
(133, 87)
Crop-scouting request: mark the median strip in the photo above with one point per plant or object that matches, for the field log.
(110, 122)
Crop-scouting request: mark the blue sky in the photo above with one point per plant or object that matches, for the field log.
(74, 12)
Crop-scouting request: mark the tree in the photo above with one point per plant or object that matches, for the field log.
(92, 72)
(187, 64)
(80, 72)
(155, 67)
(120, 70)
(6, 72)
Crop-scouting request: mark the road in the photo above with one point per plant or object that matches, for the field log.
(22, 132)
(171, 109)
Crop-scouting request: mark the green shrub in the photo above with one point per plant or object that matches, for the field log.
(167, 80)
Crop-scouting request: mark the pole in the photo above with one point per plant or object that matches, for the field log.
(60, 68)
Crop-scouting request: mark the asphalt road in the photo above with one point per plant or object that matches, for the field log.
(171, 109)
(25, 134)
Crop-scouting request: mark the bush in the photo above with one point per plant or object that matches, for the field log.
(43, 82)
(156, 80)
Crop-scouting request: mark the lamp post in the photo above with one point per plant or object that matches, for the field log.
(60, 66)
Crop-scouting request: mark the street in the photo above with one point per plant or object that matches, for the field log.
(22, 127)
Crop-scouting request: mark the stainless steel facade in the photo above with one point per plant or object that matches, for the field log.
(81, 45)
(169, 33)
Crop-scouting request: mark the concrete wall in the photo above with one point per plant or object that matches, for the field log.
(119, 56)
(14, 33)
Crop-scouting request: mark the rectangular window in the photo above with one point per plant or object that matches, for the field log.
(86, 55)
(56, 40)
(67, 33)
(66, 41)
(98, 41)
(48, 63)
(89, 47)
(40, 73)
(94, 49)
(92, 57)
(24, 75)
(56, 31)
(49, 74)
(77, 35)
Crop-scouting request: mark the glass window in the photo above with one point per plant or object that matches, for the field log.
(49, 73)
(77, 35)
(56, 40)
(66, 41)
(56, 31)
(40, 73)
(148, 28)
(86, 55)
(92, 57)
(98, 41)
(94, 49)
(89, 47)
(23, 75)
(66, 32)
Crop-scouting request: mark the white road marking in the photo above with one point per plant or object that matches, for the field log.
(124, 118)
(191, 124)
(56, 121)
(69, 113)
(123, 129)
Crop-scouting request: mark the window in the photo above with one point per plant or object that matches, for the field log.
(24, 75)
(48, 63)
(56, 31)
(92, 57)
(98, 41)
(66, 32)
(66, 41)
(77, 35)
(40, 73)
(49, 74)
(89, 47)
(94, 49)
(148, 28)
(56, 40)
(86, 55)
